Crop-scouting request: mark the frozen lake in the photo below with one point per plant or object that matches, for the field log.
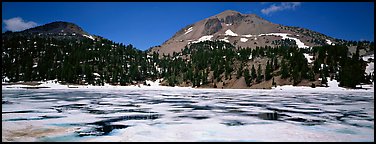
(186, 115)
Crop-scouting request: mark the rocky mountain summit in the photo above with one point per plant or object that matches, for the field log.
(242, 30)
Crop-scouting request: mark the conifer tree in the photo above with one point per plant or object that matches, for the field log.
(239, 72)
(247, 78)
(253, 73)
(259, 74)
(268, 71)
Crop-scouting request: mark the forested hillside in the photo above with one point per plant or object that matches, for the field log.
(215, 64)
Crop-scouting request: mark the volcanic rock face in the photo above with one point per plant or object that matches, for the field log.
(212, 26)
(244, 30)
(237, 18)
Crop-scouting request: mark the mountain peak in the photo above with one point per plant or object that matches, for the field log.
(230, 12)
(57, 27)
(57, 30)
(227, 13)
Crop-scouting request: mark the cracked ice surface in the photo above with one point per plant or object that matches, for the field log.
(177, 114)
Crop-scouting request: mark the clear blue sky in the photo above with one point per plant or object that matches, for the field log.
(147, 24)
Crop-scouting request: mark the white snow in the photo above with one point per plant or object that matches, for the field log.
(159, 69)
(284, 36)
(225, 39)
(230, 33)
(370, 65)
(333, 84)
(243, 39)
(370, 68)
(329, 42)
(308, 57)
(96, 74)
(5, 79)
(203, 38)
(88, 36)
(249, 35)
(365, 58)
(154, 83)
(188, 30)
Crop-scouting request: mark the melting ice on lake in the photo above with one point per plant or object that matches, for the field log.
(186, 115)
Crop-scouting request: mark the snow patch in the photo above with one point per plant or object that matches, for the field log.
(329, 42)
(284, 36)
(203, 38)
(243, 39)
(333, 84)
(96, 74)
(225, 39)
(365, 58)
(5, 80)
(154, 83)
(370, 65)
(370, 68)
(249, 35)
(230, 33)
(88, 36)
(188, 30)
(308, 57)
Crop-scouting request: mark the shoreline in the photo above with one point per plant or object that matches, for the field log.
(155, 86)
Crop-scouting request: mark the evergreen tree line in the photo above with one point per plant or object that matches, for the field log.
(103, 61)
(75, 61)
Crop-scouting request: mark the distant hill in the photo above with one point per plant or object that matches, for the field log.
(57, 30)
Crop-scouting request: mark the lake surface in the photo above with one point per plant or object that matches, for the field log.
(186, 115)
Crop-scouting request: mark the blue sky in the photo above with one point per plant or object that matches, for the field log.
(147, 24)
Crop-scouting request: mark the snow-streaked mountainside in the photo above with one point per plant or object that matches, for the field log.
(244, 30)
